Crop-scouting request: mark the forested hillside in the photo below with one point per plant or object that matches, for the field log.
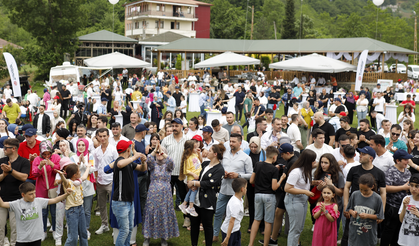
(47, 30)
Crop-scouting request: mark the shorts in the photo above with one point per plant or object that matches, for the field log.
(265, 203)
(280, 200)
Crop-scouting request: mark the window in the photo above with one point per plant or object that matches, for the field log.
(158, 7)
(177, 25)
(163, 8)
(144, 24)
(157, 24)
(137, 25)
(189, 10)
(161, 24)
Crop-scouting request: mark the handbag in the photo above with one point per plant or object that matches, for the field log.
(317, 194)
(52, 193)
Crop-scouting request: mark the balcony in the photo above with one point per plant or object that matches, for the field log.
(160, 14)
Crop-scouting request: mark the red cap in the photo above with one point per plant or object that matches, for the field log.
(197, 138)
(342, 113)
(56, 97)
(123, 145)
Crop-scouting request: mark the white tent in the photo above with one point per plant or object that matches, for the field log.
(314, 63)
(116, 60)
(227, 59)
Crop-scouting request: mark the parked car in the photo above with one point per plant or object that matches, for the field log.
(413, 71)
(375, 64)
(401, 68)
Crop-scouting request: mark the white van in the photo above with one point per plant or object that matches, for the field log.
(413, 71)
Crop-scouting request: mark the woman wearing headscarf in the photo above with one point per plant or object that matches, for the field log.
(14, 129)
(350, 105)
(83, 159)
(257, 154)
(61, 135)
(46, 98)
(43, 169)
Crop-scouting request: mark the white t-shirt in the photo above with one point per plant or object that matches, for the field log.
(381, 132)
(8, 93)
(408, 232)
(363, 102)
(191, 133)
(348, 167)
(381, 101)
(384, 162)
(319, 152)
(234, 210)
(295, 135)
(296, 179)
(183, 104)
(252, 124)
(379, 118)
(117, 95)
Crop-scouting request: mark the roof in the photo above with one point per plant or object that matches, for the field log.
(187, 2)
(4, 43)
(283, 46)
(106, 36)
(165, 37)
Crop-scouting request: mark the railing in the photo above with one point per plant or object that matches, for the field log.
(184, 73)
(168, 13)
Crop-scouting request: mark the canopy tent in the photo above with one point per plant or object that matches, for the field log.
(227, 59)
(116, 60)
(314, 63)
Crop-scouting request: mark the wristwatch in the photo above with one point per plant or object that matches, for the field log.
(326, 211)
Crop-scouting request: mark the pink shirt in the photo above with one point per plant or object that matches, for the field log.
(41, 187)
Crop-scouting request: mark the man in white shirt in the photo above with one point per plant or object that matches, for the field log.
(160, 75)
(96, 85)
(295, 80)
(379, 103)
(272, 137)
(321, 81)
(103, 156)
(303, 79)
(385, 128)
(220, 133)
(294, 133)
(312, 81)
(228, 88)
(33, 99)
(318, 145)
(376, 90)
(54, 91)
(338, 152)
(117, 136)
(125, 76)
(90, 90)
(7, 92)
(349, 154)
(81, 133)
(42, 122)
(73, 88)
(383, 159)
(244, 144)
(379, 117)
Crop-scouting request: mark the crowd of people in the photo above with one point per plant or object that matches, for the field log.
(365, 179)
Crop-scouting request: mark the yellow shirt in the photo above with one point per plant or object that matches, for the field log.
(192, 165)
(12, 112)
(76, 198)
(307, 115)
(136, 96)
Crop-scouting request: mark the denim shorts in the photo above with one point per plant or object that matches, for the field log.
(265, 203)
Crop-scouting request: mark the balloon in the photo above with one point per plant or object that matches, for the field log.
(116, 1)
(376, 2)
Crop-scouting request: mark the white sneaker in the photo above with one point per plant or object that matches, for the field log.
(6, 241)
(50, 229)
(183, 208)
(97, 213)
(146, 242)
(192, 212)
(339, 241)
(48, 223)
(102, 229)
(312, 228)
(58, 242)
(88, 235)
(44, 236)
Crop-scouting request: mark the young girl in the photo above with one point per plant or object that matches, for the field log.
(191, 167)
(193, 128)
(202, 121)
(365, 207)
(326, 213)
(74, 211)
(409, 214)
(154, 141)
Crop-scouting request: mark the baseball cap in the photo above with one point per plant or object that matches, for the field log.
(140, 128)
(30, 132)
(104, 99)
(168, 92)
(338, 99)
(399, 80)
(207, 129)
(224, 110)
(286, 148)
(176, 87)
(26, 127)
(378, 84)
(56, 97)
(342, 113)
(197, 138)
(401, 154)
(123, 145)
(177, 120)
(284, 140)
(414, 178)
(367, 150)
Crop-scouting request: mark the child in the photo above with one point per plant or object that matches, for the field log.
(365, 207)
(265, 176)
(326, 213)
(230, 229)
(191, 166)
(28, 212)
(74, 211)
(409, 214)
(183, 104)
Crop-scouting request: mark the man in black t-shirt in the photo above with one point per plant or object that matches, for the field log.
(273, 99)
(14, 172)
(66, 101)
(364, 133)
(345, 128)
(177, 96)
(324, 97)
(123, 196)
(329, 136)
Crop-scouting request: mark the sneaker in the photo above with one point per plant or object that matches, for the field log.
(339, 241)
(312, 228)
(163, 242)
(58, 242)
(271, 242)
(146, 242)
(50, 229)
(102, 229)
(186, 222)
(48, 223)
(6, 241)
(44, 236)
(191, 211)
(88, 235)
(183, 208)
(97, 213)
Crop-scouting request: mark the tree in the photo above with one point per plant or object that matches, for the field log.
(289, 32)
(178, 64)
(350, 26)
(53, 24)
(227, 21)
(18, 54)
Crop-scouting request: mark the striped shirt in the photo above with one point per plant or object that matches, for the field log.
(174, 150)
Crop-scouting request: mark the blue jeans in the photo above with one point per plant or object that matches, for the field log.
(296, 206)
(220, 212)
(52, 209)
(361, 115)
(76, 226)
(87, 204)
(190, 196)
(124, 213)
(203, 112)
(271, 106)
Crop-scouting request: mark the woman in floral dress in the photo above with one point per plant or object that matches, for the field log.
(160, 218)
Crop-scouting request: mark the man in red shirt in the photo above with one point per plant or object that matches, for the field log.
(29, 149)
(408, 101)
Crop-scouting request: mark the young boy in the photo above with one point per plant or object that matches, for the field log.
(265, 177)
(409, 214)
(28, 212)
(230, 229)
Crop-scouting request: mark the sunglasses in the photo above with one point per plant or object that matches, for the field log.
(7, 147)
(395, 134)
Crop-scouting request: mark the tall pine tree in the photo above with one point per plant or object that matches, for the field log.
(289, 31)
